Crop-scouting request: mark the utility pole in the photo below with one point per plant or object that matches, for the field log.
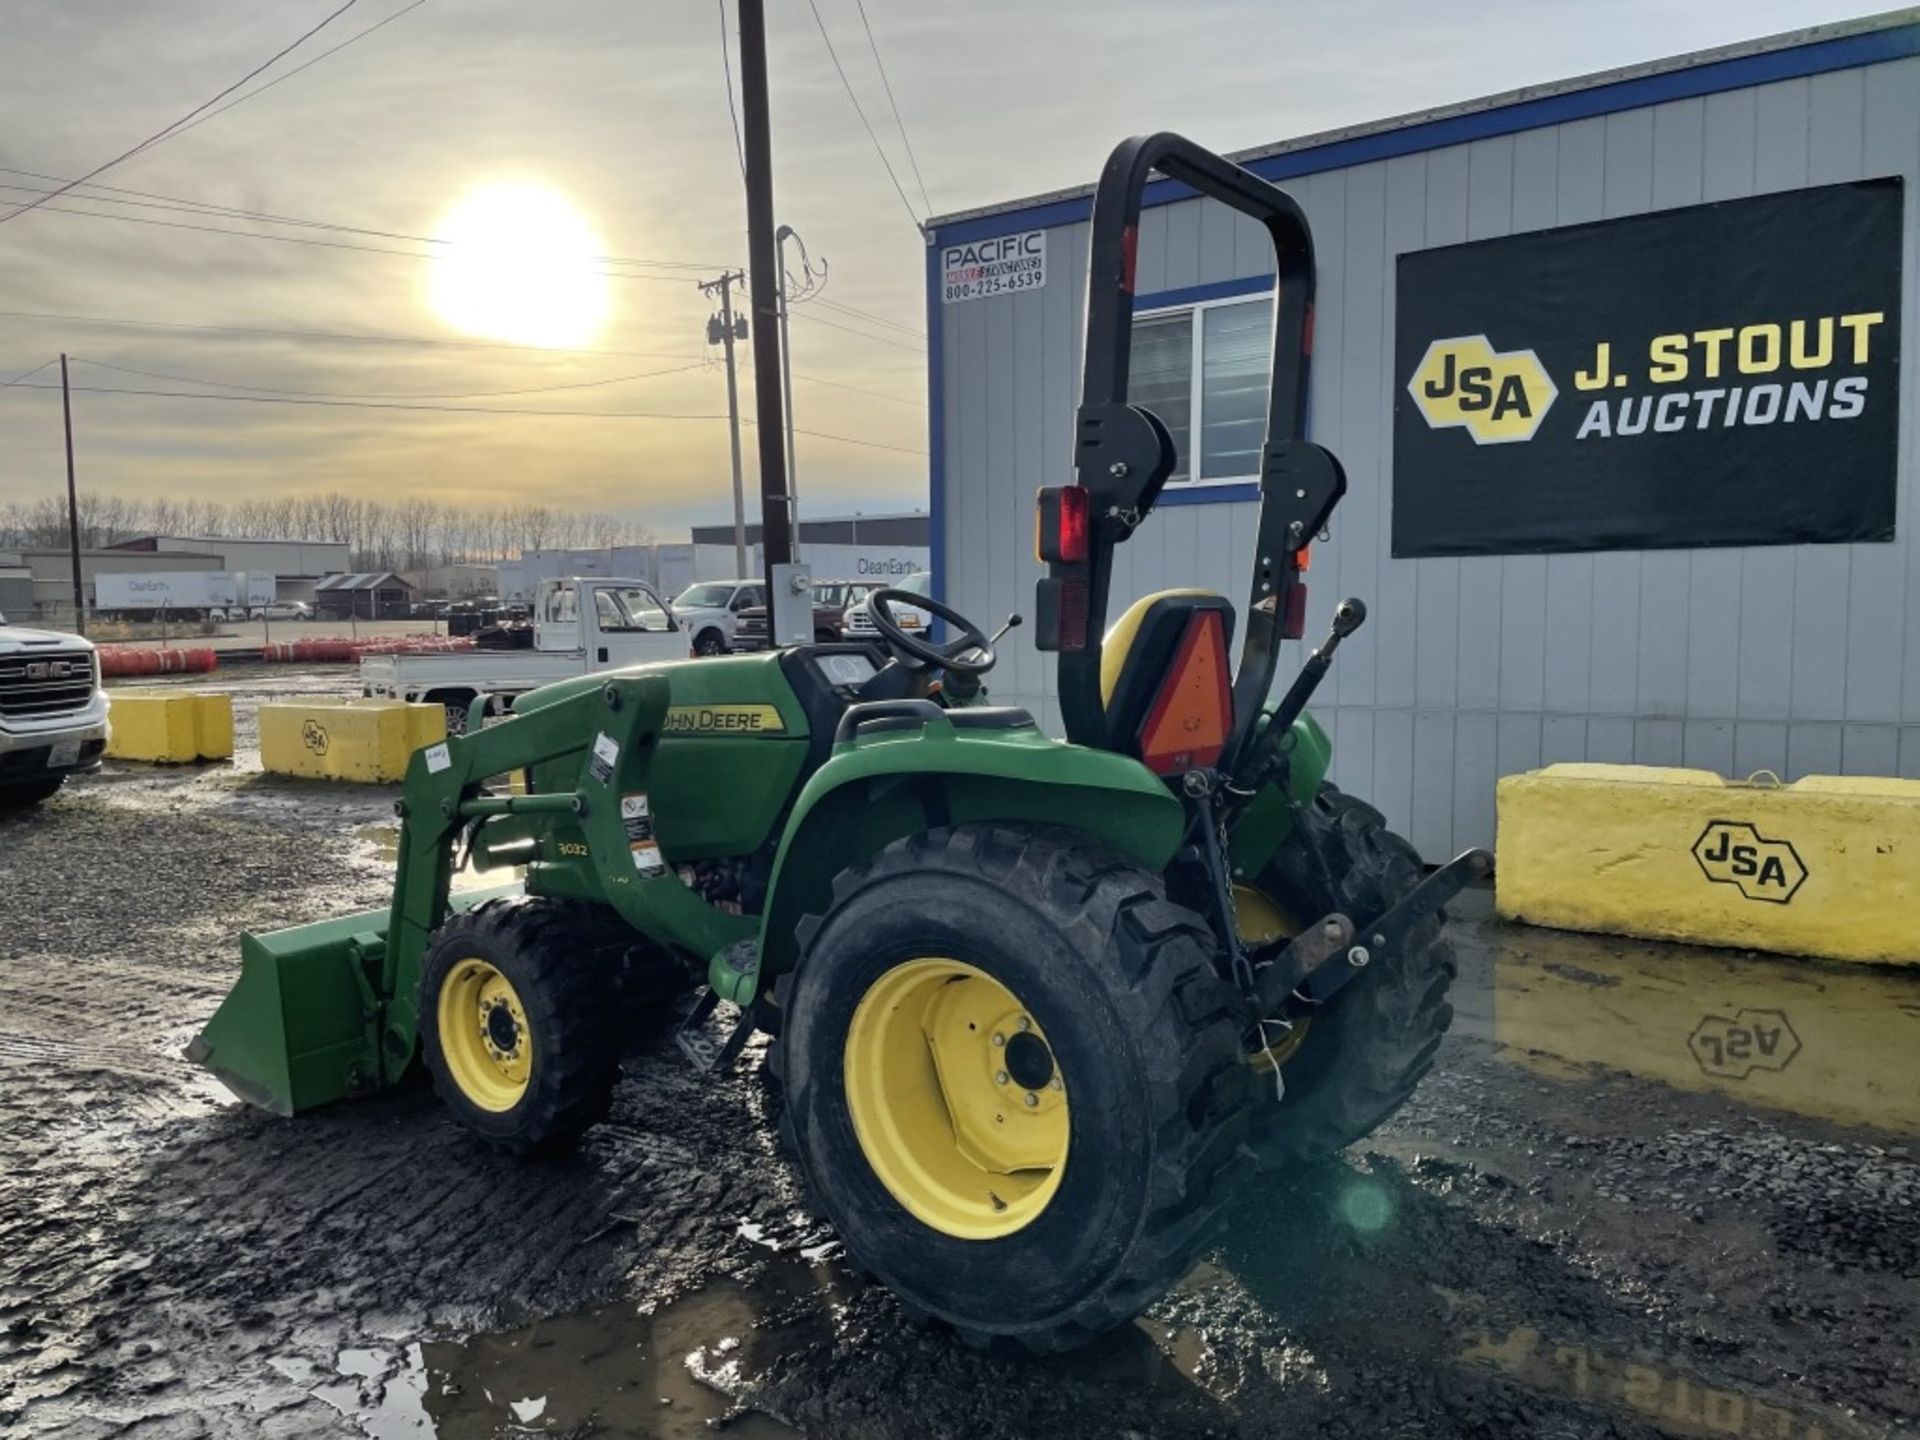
(725, 328)
(73, 506)
(763, 271)
(810, 279)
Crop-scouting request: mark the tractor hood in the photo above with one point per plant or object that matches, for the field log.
(17, 638)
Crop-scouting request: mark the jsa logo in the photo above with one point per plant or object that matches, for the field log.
(1498, 396)
(1732, 852)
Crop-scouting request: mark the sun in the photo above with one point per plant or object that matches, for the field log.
(520, 264)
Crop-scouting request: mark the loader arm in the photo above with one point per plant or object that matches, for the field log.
(329, 1010)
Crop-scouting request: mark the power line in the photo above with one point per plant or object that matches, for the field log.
(887, 84)
(29, 374)
(726, 69)
(345, 337)
(158, 136)
(383, 395)
(855, 312)
(177, 204)
(878, 149)
(864, 335)
(278, 79)
(464, 410)
(611, 274)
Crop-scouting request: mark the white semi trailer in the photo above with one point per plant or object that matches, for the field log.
(186, 594)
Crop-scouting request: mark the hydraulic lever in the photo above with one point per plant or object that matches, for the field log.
(1263, 756)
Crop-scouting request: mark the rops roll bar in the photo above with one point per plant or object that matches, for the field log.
(1123, 453)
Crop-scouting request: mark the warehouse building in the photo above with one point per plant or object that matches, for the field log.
(1613, 366)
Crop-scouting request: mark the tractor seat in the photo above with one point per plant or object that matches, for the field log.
(990, 717)
(1139, 650)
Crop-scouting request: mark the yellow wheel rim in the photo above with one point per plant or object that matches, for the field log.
(957, 1100)
(484, 1035)
(1261, 919)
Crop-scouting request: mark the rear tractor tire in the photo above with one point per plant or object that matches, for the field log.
(1349, 1068)
(1012, 1081)
(519, 1023)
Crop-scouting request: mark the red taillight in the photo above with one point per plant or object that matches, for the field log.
(1060, 525)
(1193, 713)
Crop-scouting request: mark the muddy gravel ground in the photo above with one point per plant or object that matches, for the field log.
(1541, 1244)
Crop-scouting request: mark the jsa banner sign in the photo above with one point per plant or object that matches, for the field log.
(1719, 375)
(1003, 265)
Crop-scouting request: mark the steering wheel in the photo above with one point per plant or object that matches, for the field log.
(971, 653)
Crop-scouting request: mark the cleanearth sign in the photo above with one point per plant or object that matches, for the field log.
(1722, 374)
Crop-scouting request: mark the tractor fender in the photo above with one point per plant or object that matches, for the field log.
(874, 791)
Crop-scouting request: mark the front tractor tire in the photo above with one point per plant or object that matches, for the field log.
(519, 1023)
(1359, 1060)
(1013, 1081)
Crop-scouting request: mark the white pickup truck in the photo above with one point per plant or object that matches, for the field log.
(53, 713)
(579, 625)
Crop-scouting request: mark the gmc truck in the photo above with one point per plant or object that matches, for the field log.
(53, 713)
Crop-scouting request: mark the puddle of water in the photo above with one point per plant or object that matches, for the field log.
(1832, 1041)
(668, 1375)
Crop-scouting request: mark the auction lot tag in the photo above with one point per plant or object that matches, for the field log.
(63, 753)
(438, 758)
(606, 750)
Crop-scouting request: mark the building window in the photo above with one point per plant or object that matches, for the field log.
(1204, 371)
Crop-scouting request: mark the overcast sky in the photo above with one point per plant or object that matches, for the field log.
(622, 107)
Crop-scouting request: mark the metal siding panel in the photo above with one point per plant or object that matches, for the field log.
(1579, 189)
(1581, 179)
(1365, 373)
(1713, 633)
(1014, 568)
(1610, 739)
(1216, 241)
(1353, 752)
(1523, 632)
(1910, 752)
(1759, 745)
(1536, 168)
(1883, 613)
(1183, 245)
(1252, 248)
(1519, 745)
(1658, 742)
(1150, 251)
(1665, 592)
(1476, 768)
(1562, 738)
(1869, 749)
(992, 570)
(1396, 628)
(1780, 136)
(968, 527)
(1730, 144)
(1679, 152)
(1708, 745)
(1812, 749)
(1432, 821)
(1393, 767)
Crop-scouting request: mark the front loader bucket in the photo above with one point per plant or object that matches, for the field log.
(302, 1027)
(296, 1031)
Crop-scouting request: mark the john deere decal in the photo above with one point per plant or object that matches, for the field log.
(1716, 375)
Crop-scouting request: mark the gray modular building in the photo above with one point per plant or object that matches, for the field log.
(1622, 634)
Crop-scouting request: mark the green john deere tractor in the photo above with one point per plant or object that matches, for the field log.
(1039, 1008)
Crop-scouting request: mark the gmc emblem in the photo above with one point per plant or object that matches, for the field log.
(49, 669)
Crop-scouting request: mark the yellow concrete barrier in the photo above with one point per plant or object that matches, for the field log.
(368, 740)
(174, 728)
(1829, 866)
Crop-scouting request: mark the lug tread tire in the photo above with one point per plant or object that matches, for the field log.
(545, 948)
(1161, 982)
(1378, 1038)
